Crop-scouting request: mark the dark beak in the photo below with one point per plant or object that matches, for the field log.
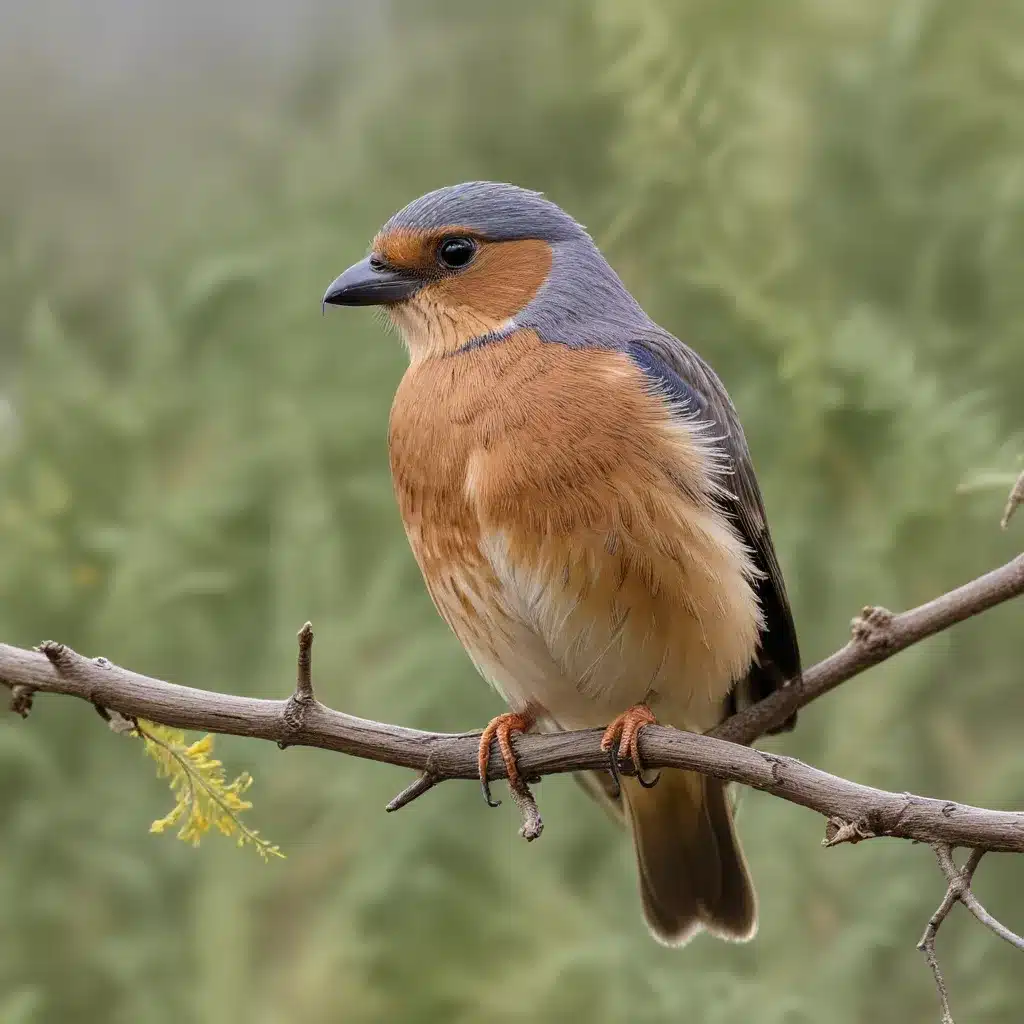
(367, 285)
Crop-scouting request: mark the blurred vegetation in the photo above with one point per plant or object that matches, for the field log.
(827, 199)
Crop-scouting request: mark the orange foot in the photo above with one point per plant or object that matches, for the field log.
(620, 741)
(503, 726)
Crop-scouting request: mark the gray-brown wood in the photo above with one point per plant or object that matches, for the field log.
(303, 721)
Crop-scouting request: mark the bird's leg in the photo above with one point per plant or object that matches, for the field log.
(620, 741)
(502, 727)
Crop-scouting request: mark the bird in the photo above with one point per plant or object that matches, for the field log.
(578, 492)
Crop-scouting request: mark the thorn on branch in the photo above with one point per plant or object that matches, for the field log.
(872, 628)
(21, 700)
(838, 830)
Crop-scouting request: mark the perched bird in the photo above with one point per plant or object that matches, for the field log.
(578, 493)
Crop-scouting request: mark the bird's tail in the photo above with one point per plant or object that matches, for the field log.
(692, 871)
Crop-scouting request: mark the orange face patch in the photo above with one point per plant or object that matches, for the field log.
(501, 281)
(455, 307)
(414, 251)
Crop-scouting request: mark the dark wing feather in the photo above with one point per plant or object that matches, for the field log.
(685, 378)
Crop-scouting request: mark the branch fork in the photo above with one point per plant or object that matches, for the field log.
(958, 890)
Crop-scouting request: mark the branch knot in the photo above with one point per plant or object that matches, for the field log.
(838, 830)
(58, 654)
(21, 700)
(873, 628)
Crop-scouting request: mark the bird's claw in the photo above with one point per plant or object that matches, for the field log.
(501, 728)
(620, 742)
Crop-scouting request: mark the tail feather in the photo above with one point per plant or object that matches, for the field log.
(692, 871)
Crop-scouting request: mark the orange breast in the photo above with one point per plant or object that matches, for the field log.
(563, 522)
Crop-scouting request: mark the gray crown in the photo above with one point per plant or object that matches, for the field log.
(493, 209)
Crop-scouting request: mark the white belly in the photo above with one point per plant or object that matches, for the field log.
(576, 639)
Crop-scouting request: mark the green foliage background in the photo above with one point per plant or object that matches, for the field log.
(826, 198)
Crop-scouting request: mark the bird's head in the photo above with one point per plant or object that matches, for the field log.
(477, 262)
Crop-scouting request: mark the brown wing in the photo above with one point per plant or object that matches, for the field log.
(688, 381)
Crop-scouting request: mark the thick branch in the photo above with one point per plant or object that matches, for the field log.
(302, 720)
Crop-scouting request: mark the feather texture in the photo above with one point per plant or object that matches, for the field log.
(566, 526)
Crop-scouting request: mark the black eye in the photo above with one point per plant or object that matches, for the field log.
(456, 252)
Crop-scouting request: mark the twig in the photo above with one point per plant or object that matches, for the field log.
(958, 890)
(962, 879)
(424, 781)
(1015, 499)
(298, 705)
(927, 946)
(304, 676)
(958, 886)
(532, 825)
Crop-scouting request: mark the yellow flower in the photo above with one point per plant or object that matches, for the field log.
(203, 796)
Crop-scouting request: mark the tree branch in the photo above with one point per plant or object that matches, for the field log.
(303, 721)
(878, 634)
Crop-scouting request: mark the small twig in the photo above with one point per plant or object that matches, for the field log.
(963, 878)
(424, 781)
(297, 705)
(304, 679)
(958, 881)
(958, 890)
(927, 946)
(1015, 499)
(532, 825)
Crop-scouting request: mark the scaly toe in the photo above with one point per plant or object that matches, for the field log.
(621, 741)
(501, 728)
